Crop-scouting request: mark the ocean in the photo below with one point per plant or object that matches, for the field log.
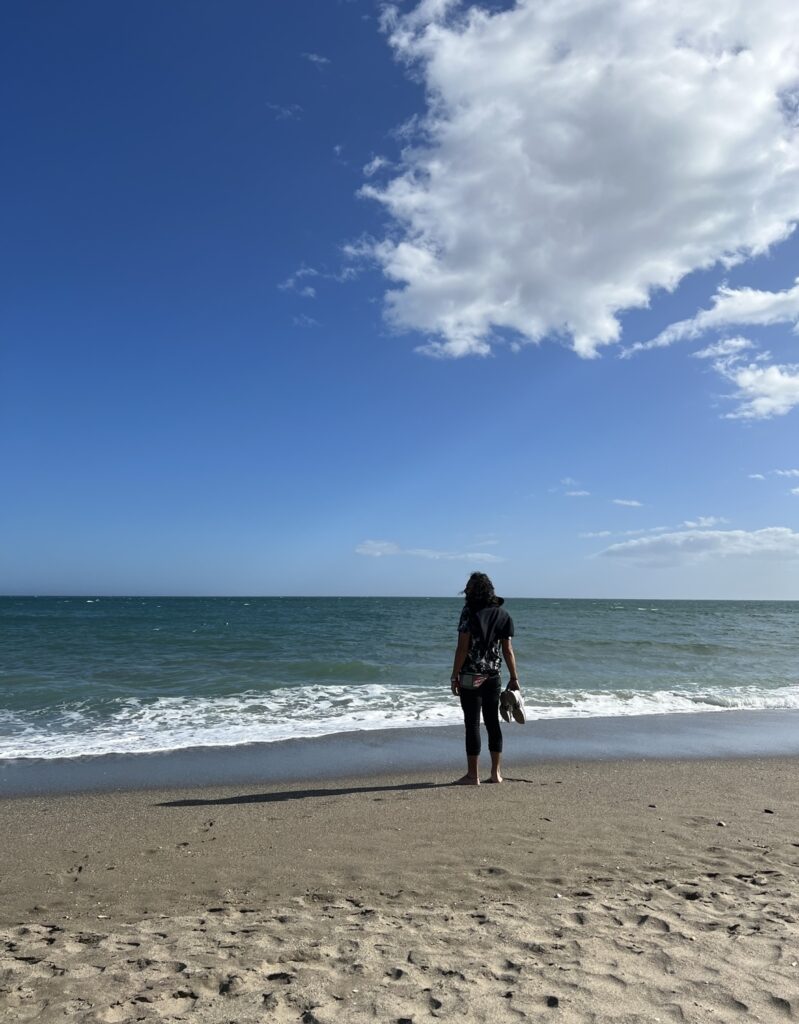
(89, 676)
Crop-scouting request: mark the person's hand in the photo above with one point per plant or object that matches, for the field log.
(514, 684)
(455, 685)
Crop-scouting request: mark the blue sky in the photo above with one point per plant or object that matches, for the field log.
(325, 298)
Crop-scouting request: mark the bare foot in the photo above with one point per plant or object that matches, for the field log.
(467, 780)
(496, 778)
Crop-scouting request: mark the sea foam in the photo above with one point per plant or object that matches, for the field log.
(132, 725)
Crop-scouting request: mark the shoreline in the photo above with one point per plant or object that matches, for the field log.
(724, 734)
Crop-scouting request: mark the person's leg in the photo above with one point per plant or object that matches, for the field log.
(472, 776)
(490, 701)
(470, 702)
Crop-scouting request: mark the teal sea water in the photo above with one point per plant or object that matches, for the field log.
(82, 676)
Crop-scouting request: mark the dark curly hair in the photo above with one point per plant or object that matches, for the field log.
(479, 592)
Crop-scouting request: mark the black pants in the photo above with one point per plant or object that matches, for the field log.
(487, 698)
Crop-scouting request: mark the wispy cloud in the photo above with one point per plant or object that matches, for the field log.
(628, 502)
(569, 488)
(700, 523)
(704, 522)
(732, 307)
(374, 165)
(378, 548)
(294, 282)
(724, 349)
(388, 548)
(688, 546)
(764, 389)
(304, 321)
(285, 112)
(782, 474)
(562, 174)
(775, 472)
(317, 59)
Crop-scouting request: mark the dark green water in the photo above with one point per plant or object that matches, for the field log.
(80, 676)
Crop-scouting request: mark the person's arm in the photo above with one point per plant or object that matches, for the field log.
(464, 639)
(510, 661)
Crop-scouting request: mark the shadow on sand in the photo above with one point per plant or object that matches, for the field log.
(305, 794)
(301, 794)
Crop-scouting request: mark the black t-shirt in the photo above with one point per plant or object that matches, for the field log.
(487, 627)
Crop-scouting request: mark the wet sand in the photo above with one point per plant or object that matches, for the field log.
(706, 734)
(636, 890)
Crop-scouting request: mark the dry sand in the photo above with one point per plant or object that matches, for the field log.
(574, 892)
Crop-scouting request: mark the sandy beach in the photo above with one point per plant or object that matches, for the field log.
(577, 891)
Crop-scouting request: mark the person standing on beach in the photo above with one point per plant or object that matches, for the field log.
(483, 629)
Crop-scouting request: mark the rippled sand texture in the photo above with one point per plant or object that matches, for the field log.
(588, 893)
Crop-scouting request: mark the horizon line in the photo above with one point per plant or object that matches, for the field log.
(95, 596)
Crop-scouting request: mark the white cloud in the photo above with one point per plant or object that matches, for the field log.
(453, 556)
(382, 548)
(775, 472)
(732, 307)
(575, 156)
(763, 391)
(704, 522)
(775, 542)
(374, 165)
(763, 388)
(317, 59)
(626, 533)
(293, 282)
(285, 113)
(795, 490)
(725, 348)
(628, 502)
(378, 548)
(700, 523)
(577, 494)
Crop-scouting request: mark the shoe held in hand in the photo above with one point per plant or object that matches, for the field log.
(511, 702)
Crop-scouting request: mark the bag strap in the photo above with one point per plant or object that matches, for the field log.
(485, 638)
